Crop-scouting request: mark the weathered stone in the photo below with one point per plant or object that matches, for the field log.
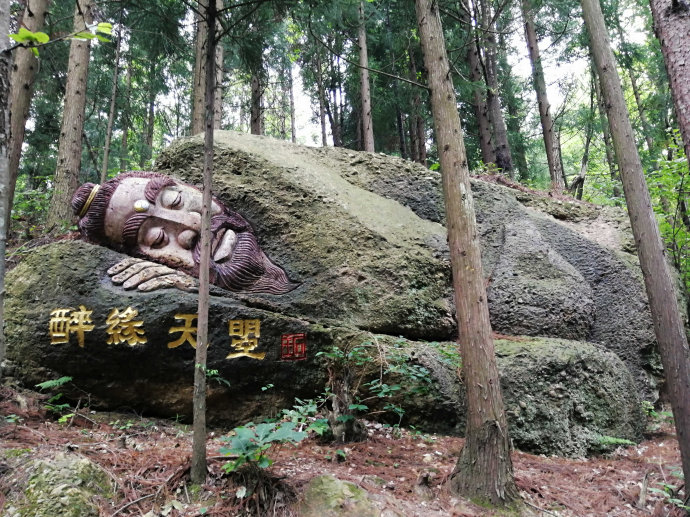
(64, 486)
(364, 238)
(326, 496)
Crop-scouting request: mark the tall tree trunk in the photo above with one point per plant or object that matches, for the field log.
(199, 85)
(417, 144)
(402, 141)
(484, 470)
(365, 87)
(671, 27)
(147, 150)
(547, 125)
(322, 99)
(255, 124)
(577, 186)
(504, 159)
(481, 111)
(198, 468)
(124, 147)
(421, 136)
(21, 91)
(70, 143)
(5, 207)
(668, 325)
(291, 88)
(606, 133)
(111, 111)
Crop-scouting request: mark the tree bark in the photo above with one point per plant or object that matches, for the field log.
(668, 325)
(671, 18)
(504, 159)
(484, 470)
(291, 88)
(5, 205)
(255, 124)
(322, 99)
(147, 149)
(111, 111)
(547, 125)
(198, 469)
(124, 147)
(481, 111)
(199, 87)
(577, 186)
(606, 131)
(70, 142)
(23, 74)
(367, 121)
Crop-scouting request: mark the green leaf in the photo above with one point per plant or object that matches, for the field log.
(84, 35)
(105, 28)
(101, 38)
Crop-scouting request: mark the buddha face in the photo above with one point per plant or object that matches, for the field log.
(159, 218)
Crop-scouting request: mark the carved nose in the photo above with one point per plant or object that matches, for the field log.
(187, 239)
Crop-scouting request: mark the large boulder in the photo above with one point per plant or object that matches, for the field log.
(363, 235)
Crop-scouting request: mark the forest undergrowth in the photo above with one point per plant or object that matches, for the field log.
(147, 461)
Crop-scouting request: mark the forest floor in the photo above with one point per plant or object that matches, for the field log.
(405, 472)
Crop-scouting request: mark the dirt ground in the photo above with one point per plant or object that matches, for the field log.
(404, 471)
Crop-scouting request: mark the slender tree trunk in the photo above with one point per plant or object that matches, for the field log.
(111, 112)
(322, 100)
(124, 148)
(70, 143)
(401, 133)
(577, 186)
(367, 122)
(547, 125)
(21, 91)
(147, 150)
(199, 86)
(421, 136)
(5, 206)
(671, 18)
(606, 133)
(484, 470)
(255, 108)
(668, 325)
(481, 111)
(417, 144)
(291, 88)
(504, 159)
(218, 78)
(198, 469)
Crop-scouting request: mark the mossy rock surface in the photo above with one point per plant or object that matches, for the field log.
(64, 486)
(363, 235)
(327, 496)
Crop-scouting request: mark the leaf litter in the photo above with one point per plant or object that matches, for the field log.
(404, 471)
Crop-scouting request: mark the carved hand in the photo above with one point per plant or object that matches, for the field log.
(148, 276)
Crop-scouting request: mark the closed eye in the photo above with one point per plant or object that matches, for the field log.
(158, 238)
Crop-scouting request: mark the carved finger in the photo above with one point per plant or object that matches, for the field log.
(177, 280)
(122, 265)
(132, 270)
(147, 273)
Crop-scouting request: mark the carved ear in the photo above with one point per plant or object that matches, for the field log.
(81, 197)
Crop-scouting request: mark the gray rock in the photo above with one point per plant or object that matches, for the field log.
(364, 238)
(64, 486)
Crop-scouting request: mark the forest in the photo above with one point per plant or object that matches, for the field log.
(527, 92)
(583, 102)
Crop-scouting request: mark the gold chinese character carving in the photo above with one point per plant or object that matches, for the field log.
(188, 331)
(240, 331)
(122, 328)
(64, 322)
